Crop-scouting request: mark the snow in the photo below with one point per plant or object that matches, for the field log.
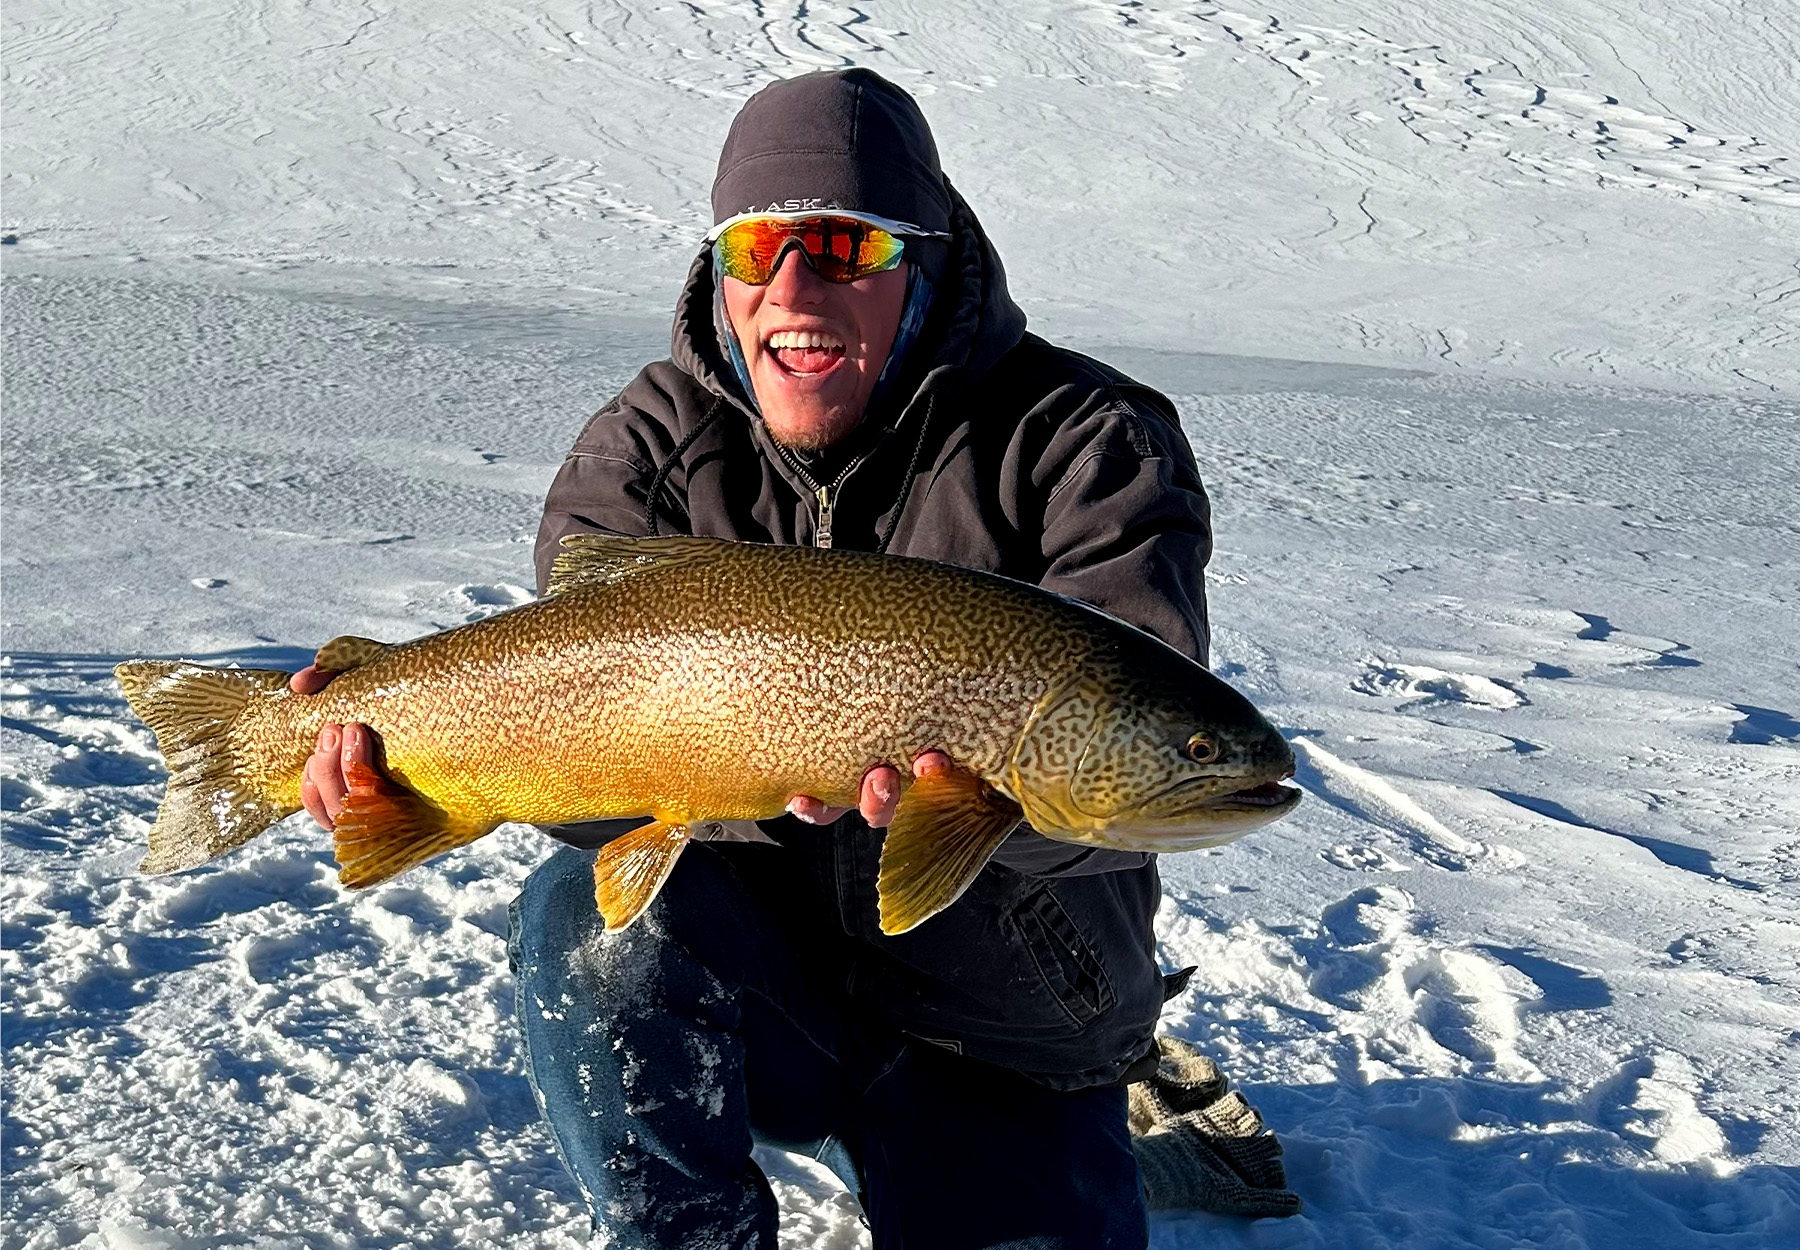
(1481, 321)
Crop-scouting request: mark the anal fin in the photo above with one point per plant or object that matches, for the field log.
(947, 826)
(629, 870)
(385, 828)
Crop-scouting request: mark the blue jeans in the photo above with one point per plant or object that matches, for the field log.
(660, 1055)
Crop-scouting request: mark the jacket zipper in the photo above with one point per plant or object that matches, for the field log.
(824, 495)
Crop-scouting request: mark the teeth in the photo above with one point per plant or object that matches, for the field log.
(803, 338)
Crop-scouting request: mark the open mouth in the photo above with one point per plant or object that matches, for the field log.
(1268, 794)
(1265, 794)
(806, 353)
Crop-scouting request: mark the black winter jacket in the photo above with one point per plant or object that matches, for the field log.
(1002, 453)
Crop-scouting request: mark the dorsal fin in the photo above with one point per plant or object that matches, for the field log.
(346, 652)
(607, 559)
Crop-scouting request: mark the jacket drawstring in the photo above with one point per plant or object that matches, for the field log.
(912, 465)
(671, 460)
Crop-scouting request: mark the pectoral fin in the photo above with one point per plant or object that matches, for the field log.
(386, 828)
(946, 827)
(629, 870)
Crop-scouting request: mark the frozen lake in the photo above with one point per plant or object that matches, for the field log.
(1482, 327)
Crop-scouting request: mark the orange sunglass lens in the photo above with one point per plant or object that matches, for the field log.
(841, 249)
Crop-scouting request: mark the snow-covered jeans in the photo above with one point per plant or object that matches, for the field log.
(661, 1054)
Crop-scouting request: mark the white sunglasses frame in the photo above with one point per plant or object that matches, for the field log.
(900, 229)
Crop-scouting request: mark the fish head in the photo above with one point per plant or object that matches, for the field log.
(1169, 759)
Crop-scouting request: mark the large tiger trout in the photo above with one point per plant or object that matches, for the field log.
(688, 679)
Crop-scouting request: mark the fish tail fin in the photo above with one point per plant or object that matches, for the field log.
(215, 801)
(386, 828)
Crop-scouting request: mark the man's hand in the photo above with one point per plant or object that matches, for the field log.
(880, 793)
(322, 786)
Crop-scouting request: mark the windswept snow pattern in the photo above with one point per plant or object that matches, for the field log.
(1356, 180)
(304, 305)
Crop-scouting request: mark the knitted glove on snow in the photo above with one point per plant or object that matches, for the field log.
(1200, 1146)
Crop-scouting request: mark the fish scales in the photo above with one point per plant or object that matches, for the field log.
(643, 710)
(691, 679)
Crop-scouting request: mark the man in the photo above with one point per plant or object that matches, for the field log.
(849, 370)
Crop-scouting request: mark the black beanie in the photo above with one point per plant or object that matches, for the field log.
(839, 139)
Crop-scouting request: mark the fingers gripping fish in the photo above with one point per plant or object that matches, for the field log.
(689, 679)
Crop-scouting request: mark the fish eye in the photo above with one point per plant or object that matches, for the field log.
(1201, 749)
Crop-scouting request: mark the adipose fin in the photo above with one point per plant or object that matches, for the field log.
(346, 652)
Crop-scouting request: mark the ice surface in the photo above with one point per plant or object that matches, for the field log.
(305, 305)
(1543, 187)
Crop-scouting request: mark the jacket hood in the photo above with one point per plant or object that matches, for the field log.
(974, 323)
(844, 138)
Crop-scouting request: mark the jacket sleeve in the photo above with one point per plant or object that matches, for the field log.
(1126, 524)
(1127, 528)
(605, 481)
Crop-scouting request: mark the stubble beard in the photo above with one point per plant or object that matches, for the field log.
(812, 436)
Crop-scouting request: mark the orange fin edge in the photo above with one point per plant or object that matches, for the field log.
(386, 828)
(946, 828)
(630, 870)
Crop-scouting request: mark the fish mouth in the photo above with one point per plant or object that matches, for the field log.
(1266, 793)
(1178, 820)
(1263, 797)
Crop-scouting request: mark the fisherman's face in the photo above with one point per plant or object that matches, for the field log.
(815, 348)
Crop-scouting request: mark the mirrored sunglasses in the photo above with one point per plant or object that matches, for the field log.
(840, 247)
